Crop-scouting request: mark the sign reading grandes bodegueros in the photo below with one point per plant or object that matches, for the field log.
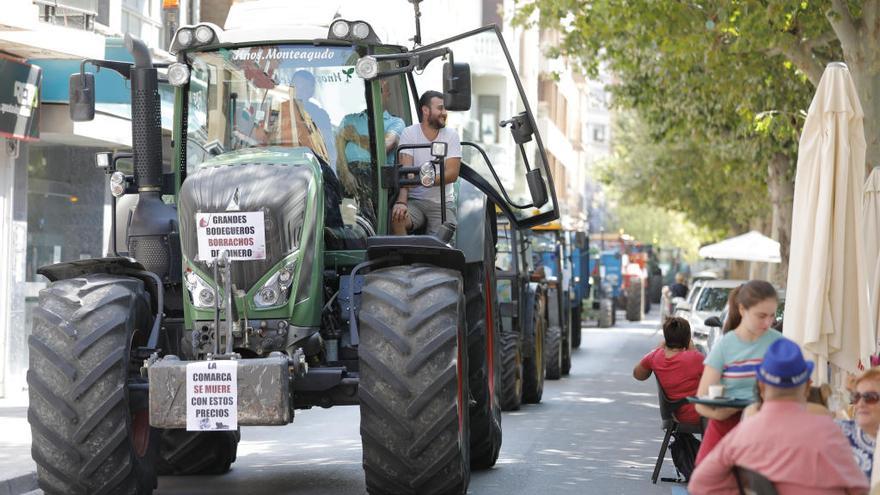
(242, 234)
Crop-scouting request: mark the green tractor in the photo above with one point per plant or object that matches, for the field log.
(254, 274)
(522, 304)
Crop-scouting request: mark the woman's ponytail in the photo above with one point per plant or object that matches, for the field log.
(733, 315)
(747, 295)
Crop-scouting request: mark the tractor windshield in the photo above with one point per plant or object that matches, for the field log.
(273, 95)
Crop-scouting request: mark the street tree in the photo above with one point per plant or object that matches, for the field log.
(738, 74)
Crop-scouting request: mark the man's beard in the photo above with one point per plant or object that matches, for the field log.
(436, 123)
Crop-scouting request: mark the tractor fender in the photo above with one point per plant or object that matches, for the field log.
(119, 265)
(471, 218)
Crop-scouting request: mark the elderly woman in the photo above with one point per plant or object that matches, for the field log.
(862, 430)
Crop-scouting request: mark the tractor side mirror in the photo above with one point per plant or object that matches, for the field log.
(537, 188)
(82, 97)
(713, 321)
(457, 86)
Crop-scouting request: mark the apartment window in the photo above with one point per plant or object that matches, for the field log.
(69, 13)
(143, 18)
(561, 117)
(599, 133)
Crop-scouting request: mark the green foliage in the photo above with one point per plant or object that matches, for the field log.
(660, 227)
(711, 97)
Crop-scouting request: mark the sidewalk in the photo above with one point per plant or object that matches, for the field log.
(17, 469)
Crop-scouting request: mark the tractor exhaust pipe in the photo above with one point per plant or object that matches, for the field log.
(153, 234)
(146, 123)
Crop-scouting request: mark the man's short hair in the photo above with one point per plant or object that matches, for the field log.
(425, 100)
(676, 332)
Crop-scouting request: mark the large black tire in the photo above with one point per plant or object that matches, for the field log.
(606, 313)
(635, 296)
(576, 315)
(533, 352)
(566, 336)
(184, 453)
(553, 353)
(484, 359)
(91, 435)
(413, 392)
(512, 376)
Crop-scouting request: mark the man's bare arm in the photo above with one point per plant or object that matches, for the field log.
(452, 168)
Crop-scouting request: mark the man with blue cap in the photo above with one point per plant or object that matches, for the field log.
(800, 452)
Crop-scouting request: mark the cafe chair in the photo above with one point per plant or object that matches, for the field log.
(752, 483)
(670, 425)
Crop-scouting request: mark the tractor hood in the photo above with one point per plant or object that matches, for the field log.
(274, 181)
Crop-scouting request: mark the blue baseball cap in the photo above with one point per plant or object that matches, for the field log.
(784, 365)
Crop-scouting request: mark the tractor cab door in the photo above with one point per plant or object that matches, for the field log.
(502, 151)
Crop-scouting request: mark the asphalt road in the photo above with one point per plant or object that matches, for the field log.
(596, 431)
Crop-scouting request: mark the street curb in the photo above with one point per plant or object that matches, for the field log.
(19, 485)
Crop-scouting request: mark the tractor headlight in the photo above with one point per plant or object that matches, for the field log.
(201, 293)
(276, 290)
(117, 184)
(360, 30)
(204, 34)
(367, 67)
(184, 37)
(340, 28)
(178, 74)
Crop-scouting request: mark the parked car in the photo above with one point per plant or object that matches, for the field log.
(710, 300)
(683, 307)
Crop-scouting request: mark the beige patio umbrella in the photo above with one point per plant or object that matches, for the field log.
(871, 229)
(827, 306)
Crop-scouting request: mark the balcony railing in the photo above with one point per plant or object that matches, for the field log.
(69, 13)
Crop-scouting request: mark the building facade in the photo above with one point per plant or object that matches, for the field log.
(54, 204)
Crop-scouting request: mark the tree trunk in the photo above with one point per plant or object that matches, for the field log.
(866, 76)
(780, 184)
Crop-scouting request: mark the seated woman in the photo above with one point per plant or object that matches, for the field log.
(677, 365)
(862, 430)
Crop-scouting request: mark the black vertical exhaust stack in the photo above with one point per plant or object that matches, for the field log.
(153, 234)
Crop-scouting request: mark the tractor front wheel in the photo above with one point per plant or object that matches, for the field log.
(90, 427)
(413, 381)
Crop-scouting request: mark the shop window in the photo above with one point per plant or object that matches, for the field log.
(66, 207)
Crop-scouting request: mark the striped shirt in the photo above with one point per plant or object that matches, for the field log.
(738, 361)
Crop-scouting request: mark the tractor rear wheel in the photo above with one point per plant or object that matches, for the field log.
(91, 431)
(635, 296)
(606, 313)
(413, 381)
(484, 359)
(566, 352)
(553, 353)
(185, 453)
(512, 375)
(533, 353)
(576, 314)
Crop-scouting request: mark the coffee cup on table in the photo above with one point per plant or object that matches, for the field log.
(716, 391)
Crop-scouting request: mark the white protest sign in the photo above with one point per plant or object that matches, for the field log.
(241, 234)
(211, 395)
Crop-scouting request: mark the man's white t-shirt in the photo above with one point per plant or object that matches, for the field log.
(414, 135)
